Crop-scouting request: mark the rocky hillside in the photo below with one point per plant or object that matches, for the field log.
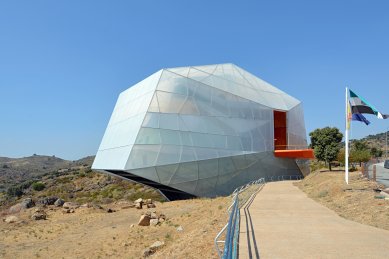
(377, 141)
(53, 208)
(39, 177)
(17, 170)
(178, 229)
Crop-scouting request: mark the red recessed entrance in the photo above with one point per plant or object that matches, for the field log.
(280, 131)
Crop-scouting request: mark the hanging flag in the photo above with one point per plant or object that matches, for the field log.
(349, 116)
(359, 106)
(360, 117)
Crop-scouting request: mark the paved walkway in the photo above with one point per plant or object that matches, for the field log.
(288, 224)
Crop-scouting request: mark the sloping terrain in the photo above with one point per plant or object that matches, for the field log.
(188, 232)
(355, 201)
(17, 170)
(78, 184)
(107, 224)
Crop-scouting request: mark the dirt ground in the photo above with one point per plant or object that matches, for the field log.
(94, 233)
(354, 201)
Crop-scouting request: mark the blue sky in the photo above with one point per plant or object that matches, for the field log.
(64, 63)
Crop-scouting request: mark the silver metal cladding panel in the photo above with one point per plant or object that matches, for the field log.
(297, 137)
(124, 124)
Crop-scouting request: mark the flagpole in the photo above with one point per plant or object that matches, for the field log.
(346, 141)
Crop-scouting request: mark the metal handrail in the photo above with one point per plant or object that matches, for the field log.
(284, 177)
(290, 147)
(232, 227)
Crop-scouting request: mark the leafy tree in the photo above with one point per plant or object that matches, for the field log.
(326, 143)
(340, 157)
(375, 152)
(359, 145)
(360, 156)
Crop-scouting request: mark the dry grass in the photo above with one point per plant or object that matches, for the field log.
(92, 233)
(354, 201)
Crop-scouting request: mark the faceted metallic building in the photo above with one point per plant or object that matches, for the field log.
(202, 131)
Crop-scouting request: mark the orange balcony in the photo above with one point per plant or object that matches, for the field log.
(298, 153)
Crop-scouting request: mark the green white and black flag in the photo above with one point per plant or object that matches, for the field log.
(359, 106)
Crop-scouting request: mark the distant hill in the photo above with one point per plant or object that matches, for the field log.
(69, 180)
(377, 141)
(17, 170)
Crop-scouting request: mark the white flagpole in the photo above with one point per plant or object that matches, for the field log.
(346, 141)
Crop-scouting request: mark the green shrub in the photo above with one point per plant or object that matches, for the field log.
(38, 186)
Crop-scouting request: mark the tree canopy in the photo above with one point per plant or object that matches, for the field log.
(360, 156)
(326, 143)
(359, 145)
(376, 152)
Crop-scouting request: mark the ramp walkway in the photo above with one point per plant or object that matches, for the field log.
(282, 222)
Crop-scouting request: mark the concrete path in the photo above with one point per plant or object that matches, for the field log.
(288, 224)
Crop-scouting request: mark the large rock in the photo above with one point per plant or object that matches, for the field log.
(28, 203)
(25, 204)
(153, 248)
(125, 204)
(15, 208)
(157, 245)
(48, 200)
(147, 252)
(68, 211)
(162, 216)
(86, 205)
(154, 222)
(70, 205)
(139, 203)
(144, 220)
(39, 215)
(11, 219)
(59, 202)
(150, 205)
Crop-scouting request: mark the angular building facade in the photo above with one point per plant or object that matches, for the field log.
(202, 131)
